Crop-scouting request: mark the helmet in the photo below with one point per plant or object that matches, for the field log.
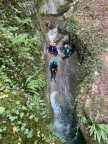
(54, 61)
(66, 46)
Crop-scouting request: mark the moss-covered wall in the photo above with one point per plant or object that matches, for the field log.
(85, 40)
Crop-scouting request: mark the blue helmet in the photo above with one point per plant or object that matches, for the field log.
(54, 61)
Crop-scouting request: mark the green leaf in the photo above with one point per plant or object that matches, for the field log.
(21, 115)
(12, 118)
(20, 38)
(12, 28)
(28, 56)
(31, 117)
(17, 102)
(36, 142)
(24, 108)
(33, 84)
(2, 110)
(30, 134)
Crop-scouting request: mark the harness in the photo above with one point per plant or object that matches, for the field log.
(54, 67)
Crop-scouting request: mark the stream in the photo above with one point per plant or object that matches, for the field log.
(62, 94)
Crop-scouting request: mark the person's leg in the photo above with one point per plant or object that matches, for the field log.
(51, 74)
(53, 49)
(50, 49)
(66, 54)
(55, 76)
(56, 52)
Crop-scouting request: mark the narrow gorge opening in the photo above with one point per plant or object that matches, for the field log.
(63, 92)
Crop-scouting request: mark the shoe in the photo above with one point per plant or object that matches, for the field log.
(51, 79)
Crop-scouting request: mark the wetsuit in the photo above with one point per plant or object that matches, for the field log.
(50, 49)
(53, 69)
(55, 50)
(67, 52)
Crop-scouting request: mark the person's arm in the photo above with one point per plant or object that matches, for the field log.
(50, 65)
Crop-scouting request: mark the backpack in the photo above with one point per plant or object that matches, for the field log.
(54, 65)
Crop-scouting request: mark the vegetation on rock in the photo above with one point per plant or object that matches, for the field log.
(23, 112)
(88, 43)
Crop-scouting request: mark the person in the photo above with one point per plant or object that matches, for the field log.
(49, 47)
(54, 49)
(53, 69)
(67, 50)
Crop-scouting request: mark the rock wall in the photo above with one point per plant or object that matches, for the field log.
(54, 7)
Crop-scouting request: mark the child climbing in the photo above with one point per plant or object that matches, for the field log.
(52, 48)
(53, 69)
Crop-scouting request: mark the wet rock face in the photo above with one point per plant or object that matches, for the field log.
(31, 7)
(54, 7)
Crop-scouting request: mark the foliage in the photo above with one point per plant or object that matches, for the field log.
(23, 112)
(89, 46)
(99, 131)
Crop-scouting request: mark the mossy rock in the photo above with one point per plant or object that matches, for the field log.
(39, 3)
(50, 25)
(102, 103)
(87, 111)
(62, 9)
(61, 28)
(87, 7)
(105, 8)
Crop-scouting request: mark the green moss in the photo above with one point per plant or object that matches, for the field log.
(87, 111)
(105, 8)
(39, 3)
(101, 104)
(87, 7)
(92, 102)
(62, 9)
(70, 1)
(23, 112)
(93, 98)
(89, 47)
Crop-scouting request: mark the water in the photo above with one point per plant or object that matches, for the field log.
(51, 6)
(63, 91)
(62, 96)
(62, 117)
(52, 34)
(65, 125)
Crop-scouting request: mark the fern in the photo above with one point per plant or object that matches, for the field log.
(21, 79)
(20, 38)
(99, 132)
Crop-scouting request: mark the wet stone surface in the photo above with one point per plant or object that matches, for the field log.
(62, 93)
